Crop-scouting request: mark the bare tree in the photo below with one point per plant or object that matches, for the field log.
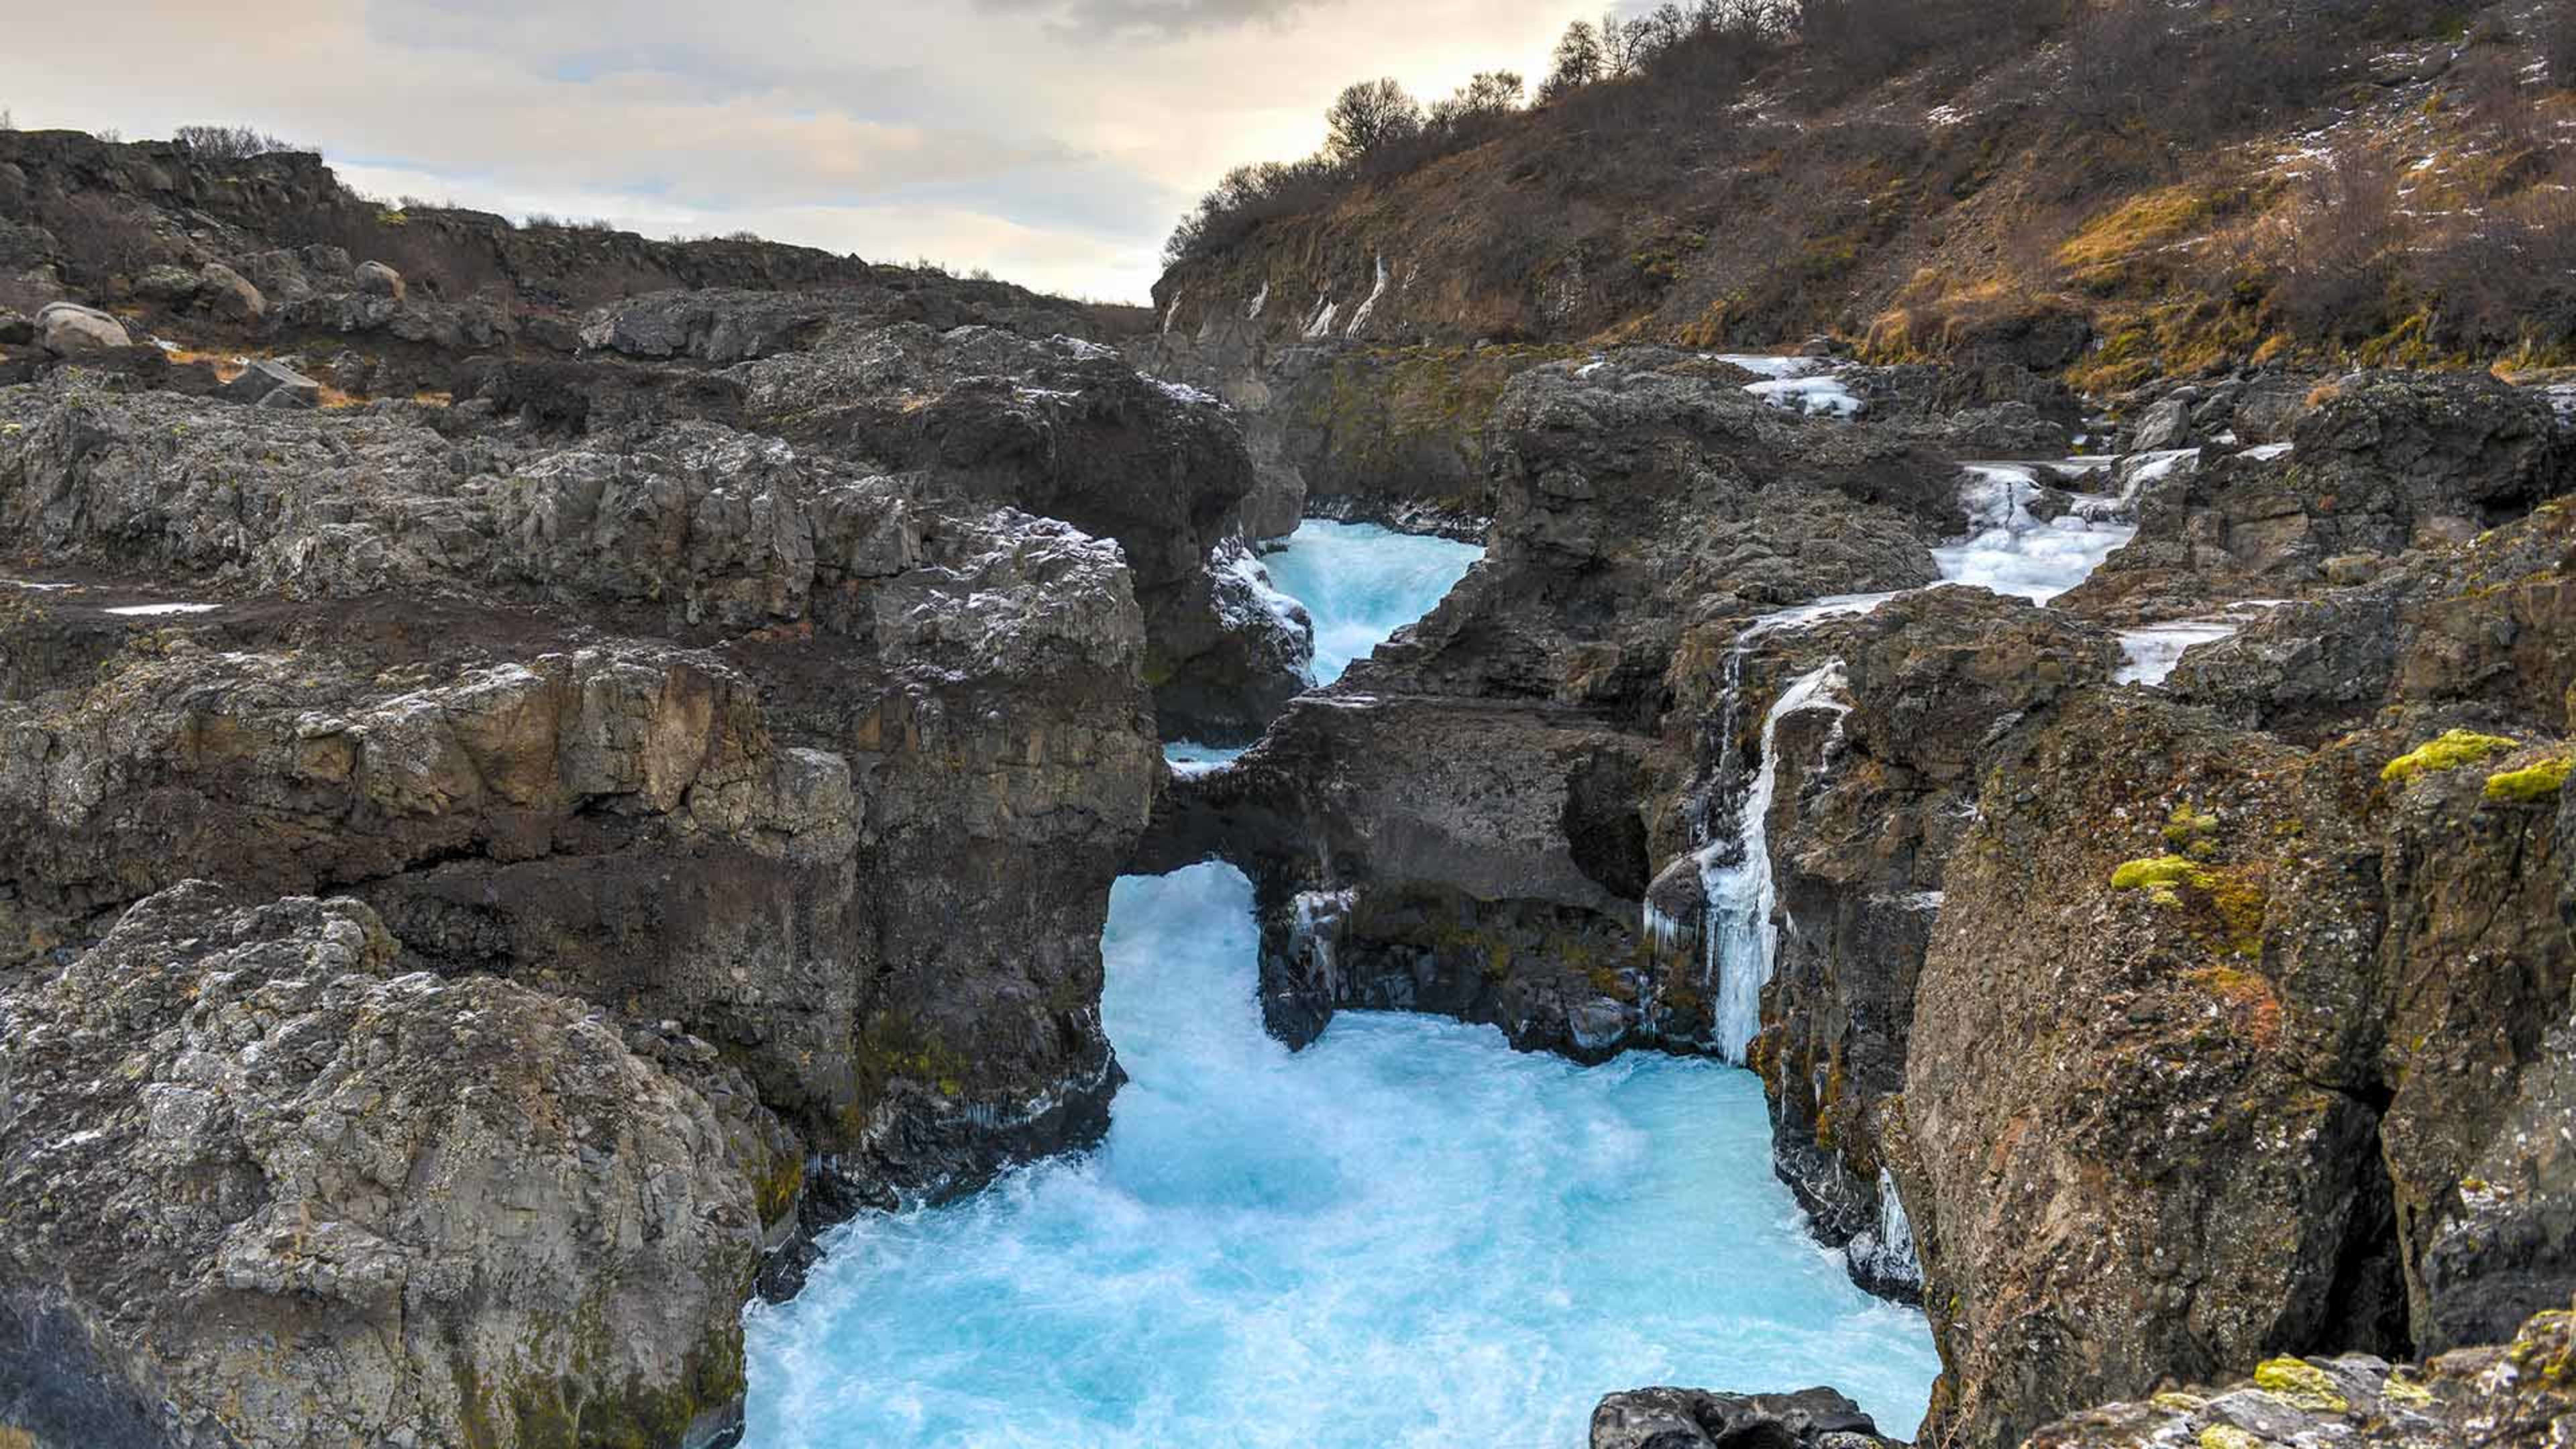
(1580, 60)
(230, 143)
(1490, 94)
(1370, 115)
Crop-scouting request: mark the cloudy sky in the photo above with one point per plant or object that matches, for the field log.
(1053, 141)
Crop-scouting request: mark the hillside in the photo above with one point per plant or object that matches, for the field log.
(2115, 193)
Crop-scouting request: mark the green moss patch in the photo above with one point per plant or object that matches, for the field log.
(2301, 1383)
(2456, 750)
(2532, 786)
(2235, 899)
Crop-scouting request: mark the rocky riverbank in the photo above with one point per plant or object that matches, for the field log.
(514, 824)
(2272, 1048)
(537, 772)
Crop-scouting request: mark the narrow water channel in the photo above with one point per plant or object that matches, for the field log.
(1407, 1235)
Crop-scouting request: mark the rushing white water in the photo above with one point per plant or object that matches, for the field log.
(1743, 942)
(1186, 758)
(1361, 583)
(1407, 1235)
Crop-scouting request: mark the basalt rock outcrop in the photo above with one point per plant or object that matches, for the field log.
(817, 775)
(2316, 1001)
(2376, 464)
(1063, 428)
(1468, 822)
(2517, 1393)
(264, 1188)
(1860, 842)
(1690, 1419)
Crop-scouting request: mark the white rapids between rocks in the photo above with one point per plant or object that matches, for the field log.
(1406, 1235)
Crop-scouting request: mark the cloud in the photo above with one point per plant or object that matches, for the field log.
(1114, 20)
(1052, 141)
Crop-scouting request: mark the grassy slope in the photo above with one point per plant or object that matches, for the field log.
(1967, 204)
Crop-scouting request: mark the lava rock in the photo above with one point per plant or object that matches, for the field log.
(378, 280)
(1693, 1419)
(69, 329)
(273, 384)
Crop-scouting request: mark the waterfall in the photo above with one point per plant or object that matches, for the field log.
(1271, 1248)
(1742, 944)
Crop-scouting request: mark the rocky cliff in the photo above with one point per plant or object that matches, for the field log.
(505, 842)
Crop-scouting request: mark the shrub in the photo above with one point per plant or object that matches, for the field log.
(98, 238)
(1370, 116)
(2555, 38)
(232, 143)
(2334, 260)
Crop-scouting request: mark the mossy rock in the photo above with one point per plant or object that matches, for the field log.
(2533, 785)
(2456, 750)
(2301, 1383)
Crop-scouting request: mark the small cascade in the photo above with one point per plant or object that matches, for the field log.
(1316, 926)
(1742, 944)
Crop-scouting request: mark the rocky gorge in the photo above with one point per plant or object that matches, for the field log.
(539, 779)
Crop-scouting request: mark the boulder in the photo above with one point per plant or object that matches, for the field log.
(229, 294)
(16, 330)
(378, 280)
(70, 330)
(262, 1184)
(1693, 1419)
(2164, 427)
(168, 285)
(269, 383)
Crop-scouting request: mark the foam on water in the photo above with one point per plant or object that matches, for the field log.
(1187, 758)
(1407, 1235)
(1361, 583)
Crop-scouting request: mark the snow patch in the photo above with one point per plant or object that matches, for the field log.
(1321, 325)
(159, 611)
(1182, 392)
(1810, 396)
(1763, 364)
(1260, 300)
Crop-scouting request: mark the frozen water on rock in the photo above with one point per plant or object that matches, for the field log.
(1743, 942)
(159, 611)
(1823, 396)
(2153, 652)
(1361, 582)
(1776, 368)
(1887, 1250)
(2011, 552)
(1407, 1236)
